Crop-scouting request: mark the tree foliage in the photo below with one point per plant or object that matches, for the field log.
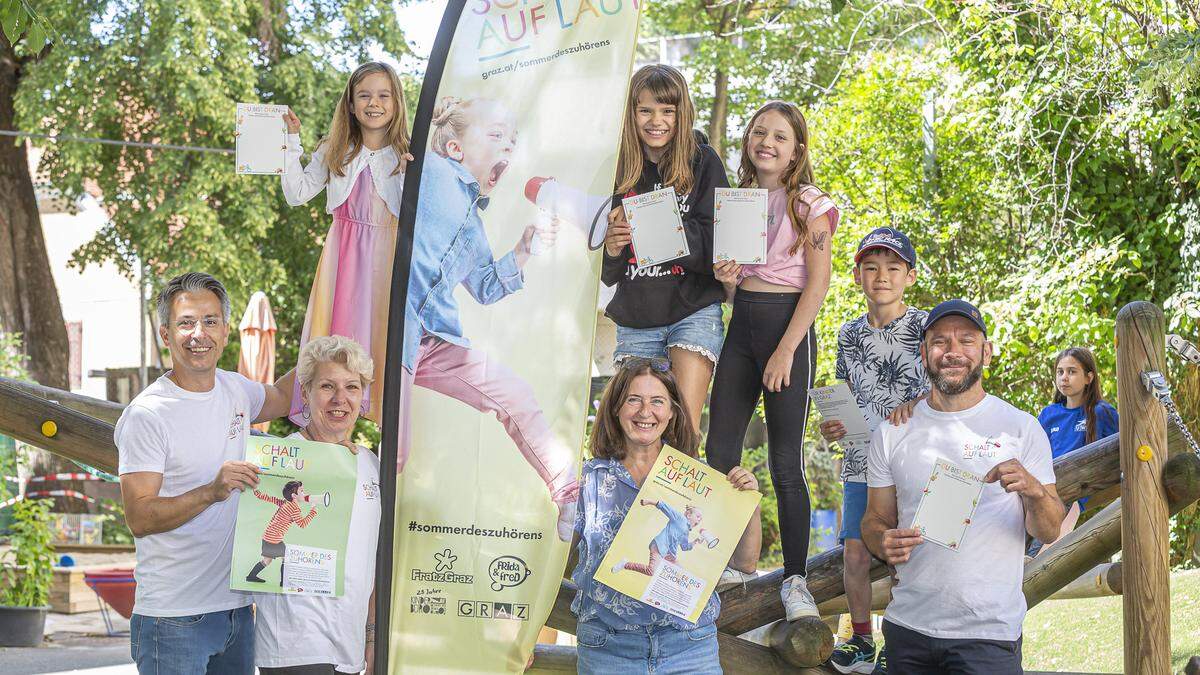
(171, 71)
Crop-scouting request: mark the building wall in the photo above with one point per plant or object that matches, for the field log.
(103, 303)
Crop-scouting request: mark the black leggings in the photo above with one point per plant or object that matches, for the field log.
(758, 324)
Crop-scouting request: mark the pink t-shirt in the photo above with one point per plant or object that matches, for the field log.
(782, 266)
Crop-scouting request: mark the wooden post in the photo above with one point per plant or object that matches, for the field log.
(1144, 529)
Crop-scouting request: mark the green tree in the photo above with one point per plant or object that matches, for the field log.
(170, 71)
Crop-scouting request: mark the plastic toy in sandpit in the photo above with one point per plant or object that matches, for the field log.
(471, 146)
(673, 538)
(287, 513)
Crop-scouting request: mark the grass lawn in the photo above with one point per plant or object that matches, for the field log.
(1086, 635)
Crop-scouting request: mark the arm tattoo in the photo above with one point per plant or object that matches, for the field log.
(818, 240)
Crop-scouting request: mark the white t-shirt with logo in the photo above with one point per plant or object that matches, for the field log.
(186, 436)
(974, 592)
(295, 630)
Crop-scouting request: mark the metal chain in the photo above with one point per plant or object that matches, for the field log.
(1157, 385)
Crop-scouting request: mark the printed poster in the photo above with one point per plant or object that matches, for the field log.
(655, 226)
(740, 225)
(477, 555)
(947, 505)
(291, 531)
(260, 138)
(678, 536)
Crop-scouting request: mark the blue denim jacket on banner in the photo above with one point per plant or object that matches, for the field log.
(606, 492)
(450, 248)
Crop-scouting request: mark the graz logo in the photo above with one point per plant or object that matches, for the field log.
(443, 571)
(477, 609)
(508, 571)
(426, 605)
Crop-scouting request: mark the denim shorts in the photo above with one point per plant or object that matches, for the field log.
(662, 650)
(701, 331)
(854, 507)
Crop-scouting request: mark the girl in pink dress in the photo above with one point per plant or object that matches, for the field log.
(360, 166)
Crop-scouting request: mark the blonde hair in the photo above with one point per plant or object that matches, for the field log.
(334, 349)
(668, 87)
(797, 177)
(452, 117)
(345, 140)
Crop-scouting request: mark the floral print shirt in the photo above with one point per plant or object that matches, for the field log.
(606, 492)
(883, 368)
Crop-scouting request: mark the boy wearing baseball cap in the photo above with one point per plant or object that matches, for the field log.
(879, 357)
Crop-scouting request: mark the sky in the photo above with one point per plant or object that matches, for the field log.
(419, 21)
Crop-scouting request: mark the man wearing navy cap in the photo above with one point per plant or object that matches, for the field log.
(959, 609)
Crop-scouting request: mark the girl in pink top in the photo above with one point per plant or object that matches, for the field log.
(770, 350)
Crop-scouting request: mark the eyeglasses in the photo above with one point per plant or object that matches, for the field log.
(657, 363)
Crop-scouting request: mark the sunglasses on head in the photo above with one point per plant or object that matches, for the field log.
(657, 363)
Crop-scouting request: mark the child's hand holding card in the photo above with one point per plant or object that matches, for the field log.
(740, 225)
(656, 227)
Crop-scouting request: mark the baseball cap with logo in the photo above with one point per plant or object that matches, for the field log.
(957, 307)
(890, 238)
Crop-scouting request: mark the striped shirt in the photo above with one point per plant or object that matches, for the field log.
(287, 514)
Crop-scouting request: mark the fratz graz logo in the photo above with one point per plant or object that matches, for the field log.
(443, 571)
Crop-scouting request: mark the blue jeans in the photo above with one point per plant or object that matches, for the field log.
(660, 650)
(702, 331)
(220, 643)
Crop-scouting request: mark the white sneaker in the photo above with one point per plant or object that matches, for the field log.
(797, 601)
(731, 577)
(566, 519)
(619, 566)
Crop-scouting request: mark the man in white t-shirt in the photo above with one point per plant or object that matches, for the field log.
(181, 443)
(959, 611)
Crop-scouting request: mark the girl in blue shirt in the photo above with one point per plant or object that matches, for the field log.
(1078, 416)
(640, 411)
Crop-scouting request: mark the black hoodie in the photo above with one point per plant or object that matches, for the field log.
(660, 295)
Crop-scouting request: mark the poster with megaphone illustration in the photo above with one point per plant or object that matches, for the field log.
(678, 536)
(291, 530)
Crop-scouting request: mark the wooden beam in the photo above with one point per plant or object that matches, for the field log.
(1096, 467)
(757, 603)
(107, 411)
(1099, 539)
(1103, 580)
(57, 428)
(564, 659)
(1141, 346)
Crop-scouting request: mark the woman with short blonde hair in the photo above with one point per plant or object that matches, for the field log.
(334, 372)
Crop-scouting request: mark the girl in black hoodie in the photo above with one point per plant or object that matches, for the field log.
(672, 310)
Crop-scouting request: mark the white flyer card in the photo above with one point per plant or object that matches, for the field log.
(948, 504)
(740, 225)
(656, 227)
(837, 403)
(261, 138)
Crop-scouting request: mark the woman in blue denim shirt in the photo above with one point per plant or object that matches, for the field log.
(640, 410)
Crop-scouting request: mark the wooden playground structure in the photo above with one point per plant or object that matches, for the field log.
(1161, 473)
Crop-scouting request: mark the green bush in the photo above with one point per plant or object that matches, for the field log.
(28, 567)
